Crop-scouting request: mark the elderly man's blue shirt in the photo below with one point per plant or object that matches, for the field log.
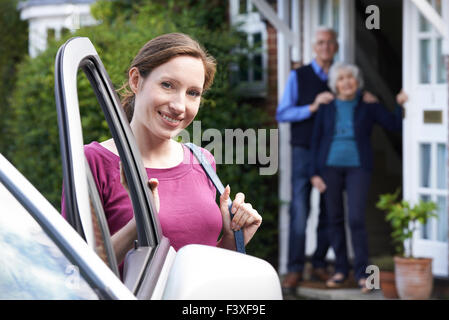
(287, 110)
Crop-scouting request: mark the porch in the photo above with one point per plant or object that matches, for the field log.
(406, 51)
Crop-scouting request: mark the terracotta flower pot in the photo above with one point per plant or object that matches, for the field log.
(388, 285)
(414, 279)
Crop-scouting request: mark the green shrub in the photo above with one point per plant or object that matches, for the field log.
(13, 47)
(124, 29)
(404, 218)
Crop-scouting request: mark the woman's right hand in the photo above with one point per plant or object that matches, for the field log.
(318, 183)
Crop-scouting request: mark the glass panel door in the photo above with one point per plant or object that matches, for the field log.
(431, 61)
(425, 156)
(433, 187)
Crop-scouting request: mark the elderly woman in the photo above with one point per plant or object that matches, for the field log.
(342, 160)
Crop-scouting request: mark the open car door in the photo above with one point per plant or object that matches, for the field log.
(83, 206)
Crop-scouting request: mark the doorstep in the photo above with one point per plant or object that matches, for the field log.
(337, 294)
(315, 290)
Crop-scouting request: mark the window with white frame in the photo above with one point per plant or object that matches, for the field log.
(433, 160)
(252, 67)
(433, 155)
(431, 59)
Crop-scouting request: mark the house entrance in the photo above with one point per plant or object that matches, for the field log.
(378, 52)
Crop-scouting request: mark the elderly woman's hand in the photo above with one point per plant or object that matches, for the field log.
(245, 217)
(401, 98)
(318, 183)
(368, 97)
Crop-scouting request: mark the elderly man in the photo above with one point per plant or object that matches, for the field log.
(305, 91)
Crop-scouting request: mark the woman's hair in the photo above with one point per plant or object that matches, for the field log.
(161, 50)
(335, 70)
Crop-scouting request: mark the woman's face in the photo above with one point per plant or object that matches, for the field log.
(346, 85)
(167, 100)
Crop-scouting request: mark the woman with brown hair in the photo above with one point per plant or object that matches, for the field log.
(166, 81)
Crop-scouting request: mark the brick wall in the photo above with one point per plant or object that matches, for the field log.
(272, 97)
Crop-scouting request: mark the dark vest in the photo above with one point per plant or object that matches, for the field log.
(309, 86)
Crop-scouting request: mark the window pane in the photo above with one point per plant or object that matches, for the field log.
(442, 219)
(425, 165)
(31, 265)
(426, 229)
(242, 6)
(441, 68)
(323, 12)
(243, 68)
(257, 40)
(258, 68)
(254, 8)
(438, 6)
(424, 25)
(441, 166)
(424, 63)
(335, 15)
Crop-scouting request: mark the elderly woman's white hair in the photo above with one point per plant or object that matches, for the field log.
(335, 70)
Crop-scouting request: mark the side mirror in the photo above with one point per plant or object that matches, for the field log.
(204, 273)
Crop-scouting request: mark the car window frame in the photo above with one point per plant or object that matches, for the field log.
(79, 53)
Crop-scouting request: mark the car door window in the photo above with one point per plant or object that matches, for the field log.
(32, 266)
(83, 205)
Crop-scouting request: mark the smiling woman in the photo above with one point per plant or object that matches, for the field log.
(163, 93)
(167, 100)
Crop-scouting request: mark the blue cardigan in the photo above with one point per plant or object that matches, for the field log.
(365, 116)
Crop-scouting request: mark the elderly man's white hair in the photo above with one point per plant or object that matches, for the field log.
(324, 29)
(335, 70)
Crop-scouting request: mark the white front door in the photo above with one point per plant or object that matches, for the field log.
(425, 157)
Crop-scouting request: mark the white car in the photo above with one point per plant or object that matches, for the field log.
(43, 256)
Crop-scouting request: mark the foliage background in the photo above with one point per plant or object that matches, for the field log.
(125, 26)
(13, 47)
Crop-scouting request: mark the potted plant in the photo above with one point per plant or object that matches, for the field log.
(413, 276)
(386, 276)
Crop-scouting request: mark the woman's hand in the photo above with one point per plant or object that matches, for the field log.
(153, 183)
(245, 217)
(123, 240)
(401, 98)
(368, 97)
(318, 183)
